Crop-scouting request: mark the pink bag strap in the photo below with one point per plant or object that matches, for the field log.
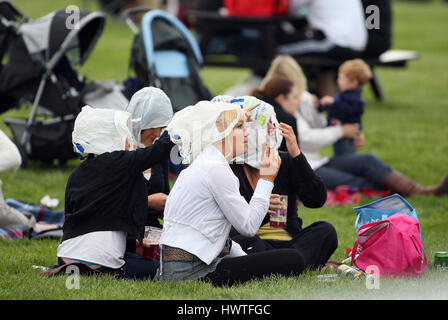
(355, 247)
(425, 260)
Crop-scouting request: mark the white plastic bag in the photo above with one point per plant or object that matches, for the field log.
(194, 128)
(98, 131)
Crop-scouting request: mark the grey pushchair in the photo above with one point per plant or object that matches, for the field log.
(40, 71)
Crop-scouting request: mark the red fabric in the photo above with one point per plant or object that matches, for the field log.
(393, 245)
(343, 195)
(256, 8)
(40, 213)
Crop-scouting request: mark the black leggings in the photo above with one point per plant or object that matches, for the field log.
(316, 243)
(230, 271)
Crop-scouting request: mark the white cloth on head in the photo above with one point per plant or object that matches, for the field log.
(257, 128)
(193, 128)
(150, 108)
(97, 131)
(10, 157)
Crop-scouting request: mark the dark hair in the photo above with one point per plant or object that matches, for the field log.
(274, 87)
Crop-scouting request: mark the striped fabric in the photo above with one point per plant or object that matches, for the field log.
(41, 213)
(11, 233)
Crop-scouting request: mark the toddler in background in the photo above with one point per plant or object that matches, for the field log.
(348, 105)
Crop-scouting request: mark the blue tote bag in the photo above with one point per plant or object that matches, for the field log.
(382, 209)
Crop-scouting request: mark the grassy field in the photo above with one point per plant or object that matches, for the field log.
(409, 131)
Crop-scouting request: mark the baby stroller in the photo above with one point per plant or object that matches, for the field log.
(166, 55)
(40, 71)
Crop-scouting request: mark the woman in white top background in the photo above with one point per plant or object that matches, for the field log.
(205, 202)
(355, 170)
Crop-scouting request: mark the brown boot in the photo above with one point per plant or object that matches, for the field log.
(442, 188)
(403, 185)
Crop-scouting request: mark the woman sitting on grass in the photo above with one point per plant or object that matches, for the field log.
(296, 179)
(151, 111)
(106, 197)
(357, 171)
(205, 202)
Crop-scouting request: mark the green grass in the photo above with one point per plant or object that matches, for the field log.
(409, 131)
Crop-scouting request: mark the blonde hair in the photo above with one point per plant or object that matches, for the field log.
(286, 66)
(226, 118)
(356, 69)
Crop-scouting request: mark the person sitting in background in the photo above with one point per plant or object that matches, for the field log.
(106, 198)
(151, 111)
(335, 27)
(336, 30)
(354, 170)
(348, 105)
(10, 159)
(296, 179)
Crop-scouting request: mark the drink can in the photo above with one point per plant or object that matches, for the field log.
(441, 260)
(278, 220)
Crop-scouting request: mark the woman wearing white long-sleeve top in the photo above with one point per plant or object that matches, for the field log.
(205, 202)
(354, 170)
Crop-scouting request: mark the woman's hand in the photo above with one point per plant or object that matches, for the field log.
(274, 204)
(358, 142)
(157, 201)
(247, 111)
(316, 102)
(291, 140)
(326, 101)
(351, 130)
(270, 164)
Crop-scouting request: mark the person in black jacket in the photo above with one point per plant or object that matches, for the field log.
(106, 196)
(296, 179)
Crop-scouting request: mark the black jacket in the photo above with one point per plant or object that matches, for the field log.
(108, 192)
(348, 107)
(159, 182)
(297, 180)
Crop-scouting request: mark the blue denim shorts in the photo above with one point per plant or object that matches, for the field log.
(184, 269)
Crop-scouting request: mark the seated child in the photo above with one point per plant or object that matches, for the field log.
(348, 105)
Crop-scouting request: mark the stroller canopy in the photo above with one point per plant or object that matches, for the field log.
(167, 56)
(162, 31)
(52, 44)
